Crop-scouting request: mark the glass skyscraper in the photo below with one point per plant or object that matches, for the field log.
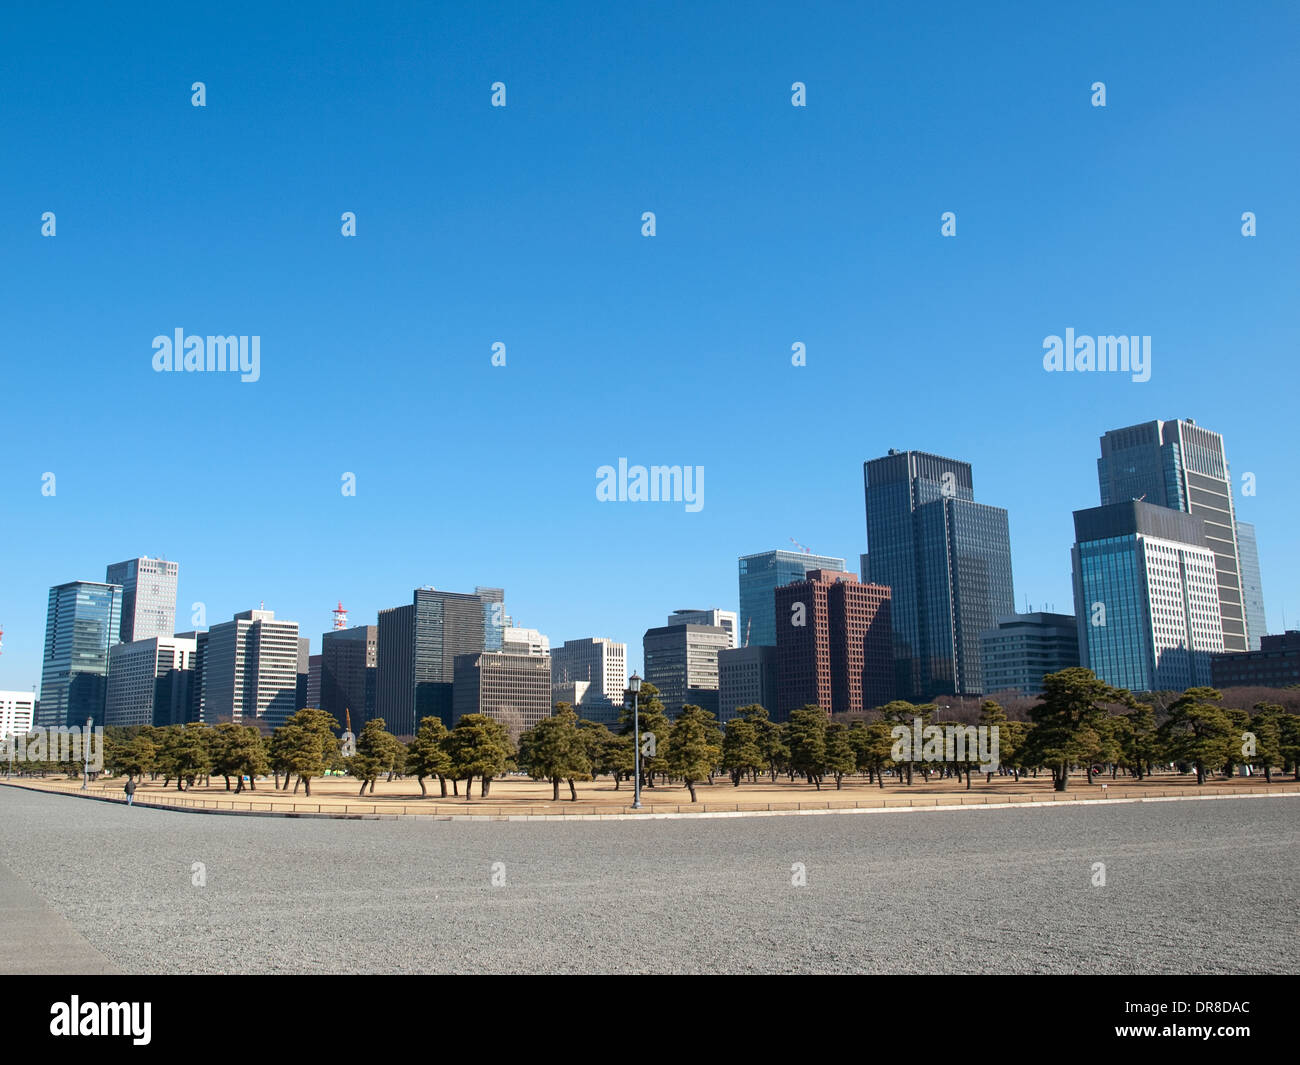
(760, 576)
(1183, 466)
(81, 624)
(1252, 588)
(947, 560)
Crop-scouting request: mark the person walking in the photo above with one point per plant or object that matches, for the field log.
(130, 791)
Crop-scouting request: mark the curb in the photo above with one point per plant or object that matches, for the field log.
(665, 816)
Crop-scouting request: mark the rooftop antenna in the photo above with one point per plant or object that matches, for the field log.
(340, 617)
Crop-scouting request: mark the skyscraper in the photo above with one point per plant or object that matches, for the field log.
(418, 645)
(250, 671)
(1252, 587)
(148, 596)
(1180, 465)
(81, 624)
(760, 576)
(724, 619)
(682, 662)
(17, 713)
(515, 689)
(1146, 596)
(746, 677)
(150, 682)
(834, 644)
(349, 668)
(597, 661)
(947, 561)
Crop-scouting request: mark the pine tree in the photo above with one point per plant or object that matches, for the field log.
(692, 752)
(426, 755)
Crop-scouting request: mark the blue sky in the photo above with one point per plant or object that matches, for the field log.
(522, 225)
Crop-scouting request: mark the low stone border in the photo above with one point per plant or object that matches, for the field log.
(435, 811)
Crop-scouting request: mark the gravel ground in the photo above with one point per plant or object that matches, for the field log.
(1192, 887)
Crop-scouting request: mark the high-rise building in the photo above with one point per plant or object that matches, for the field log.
(1275, 665)
(303, 688)
(947, 560)
(515, 689)
(1180, 465)
(148, 596)
(17, 713)
(598, 662)
(585, 700)
(150, 682)
(1024, 648)
(349, 668)
(519, 641)
(418, 646)
(495, 618)
(682, 662)
(1146, 596)
(725, 619)
(250, 671)
(760, 576)
(194, 712)
(1252, 588)
(834, 644)
(746, 677)
(81, 624)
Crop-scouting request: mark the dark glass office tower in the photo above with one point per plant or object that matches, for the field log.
(1180, 465)
(418, 645)
(947, 560)
(81, 625)
(349, 664)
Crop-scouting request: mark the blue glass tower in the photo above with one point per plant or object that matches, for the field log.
(760, 576)
(81, 624)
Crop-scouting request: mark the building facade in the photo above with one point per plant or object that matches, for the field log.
(724, 619)
(148, 596)
(82, 622)
(834, 644)
(514, 689)
(1275, 665)
(349, 674)
(17, 713)
(1024, 648)
(150, 682)
(947, 561)
(1182, 466)
(1146, 596)
(1252, 587)
(760, 576)
(250, 671)
(746, 677)
(682, 662)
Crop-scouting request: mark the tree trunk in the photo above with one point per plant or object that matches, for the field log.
(1061, 779)
(363, 788)
(691, 784)
(306, 785)
(573, 792)
(617, 779)
(372, 785)
(555, 789)
(968, 777)
(443, 781)
(227, 776)
(296, 785)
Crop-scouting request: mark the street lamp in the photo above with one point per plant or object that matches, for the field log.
(634, 683)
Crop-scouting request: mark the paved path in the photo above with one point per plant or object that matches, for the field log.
(1190, 887)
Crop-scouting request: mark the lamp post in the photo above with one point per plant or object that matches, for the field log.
(634, 682)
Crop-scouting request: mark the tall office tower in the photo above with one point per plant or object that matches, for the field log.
(682, 662)
(834, 644)
(150, 682)
(495, 618)
(1180, 465)
(724, 619)
(313, 681)
(81, 624)
(303, 687)
(517, 641)
(1252, 587)
(194, 712)
(250, 671)
(1146, 596)
(585, 700)
(418, 645)
(597, 661)
(746, 676)
(947, 560)
(349, 665)
(148, 596)
(17, 713)
(515, 689)
(1024, 648)
(760, 576)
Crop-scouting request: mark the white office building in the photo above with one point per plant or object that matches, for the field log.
(597, 661)
(150, 681)
(250, 670)
(17, 713)
(720, 619)
(148, 596)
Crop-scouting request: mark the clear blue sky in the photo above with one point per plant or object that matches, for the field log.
(523, 225)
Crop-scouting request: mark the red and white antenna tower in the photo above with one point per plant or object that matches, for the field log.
(340, 617)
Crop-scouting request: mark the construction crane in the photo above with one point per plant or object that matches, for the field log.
(340, 617)
(805, 550)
